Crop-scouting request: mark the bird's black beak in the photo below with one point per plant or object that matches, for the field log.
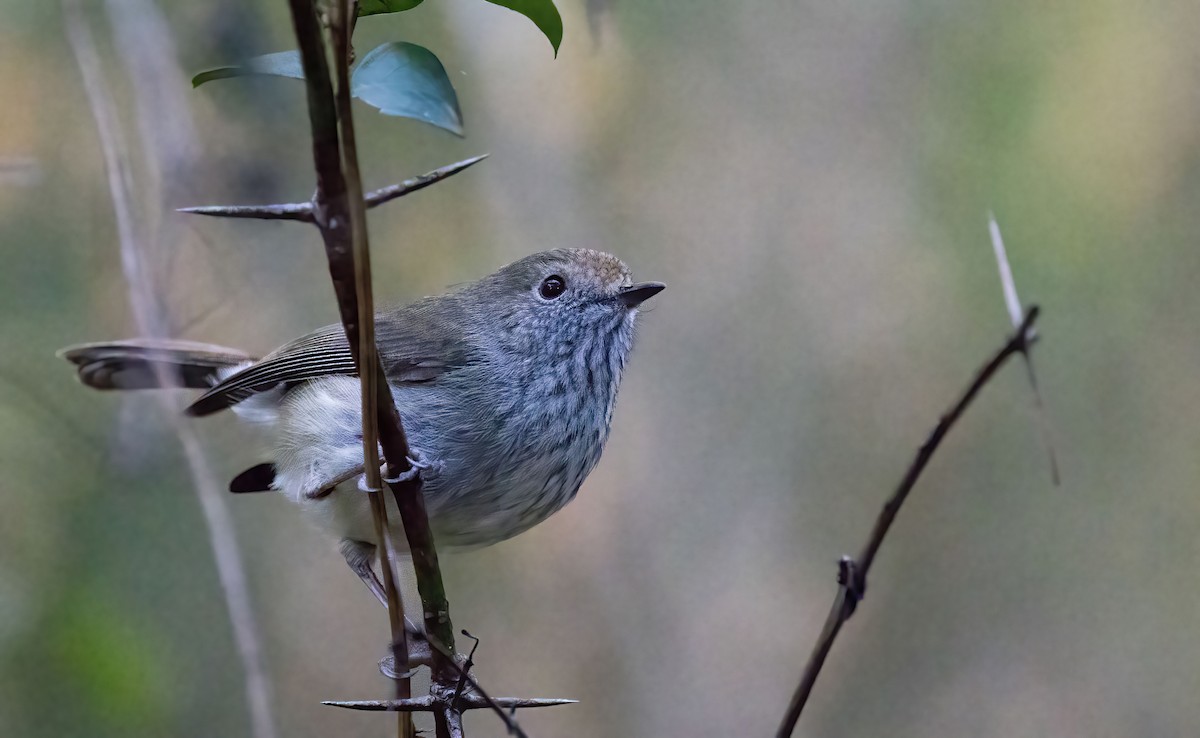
(636, 294)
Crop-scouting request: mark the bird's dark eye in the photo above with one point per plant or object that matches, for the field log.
(552, 287)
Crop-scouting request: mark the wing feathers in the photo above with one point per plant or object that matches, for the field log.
(417, 344)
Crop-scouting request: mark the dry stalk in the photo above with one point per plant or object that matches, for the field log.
(219, 522)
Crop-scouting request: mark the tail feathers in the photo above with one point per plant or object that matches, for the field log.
(151, 364)
(258, 478)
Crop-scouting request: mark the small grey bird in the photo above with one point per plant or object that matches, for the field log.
(505, 386)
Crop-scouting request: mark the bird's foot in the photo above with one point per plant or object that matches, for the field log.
(419, 465)
(418, 655)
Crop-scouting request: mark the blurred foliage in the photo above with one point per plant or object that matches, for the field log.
(812, 181)
(375, 7)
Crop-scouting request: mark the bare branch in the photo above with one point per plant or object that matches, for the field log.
(303, 211)
(852, 572)
(427, 703)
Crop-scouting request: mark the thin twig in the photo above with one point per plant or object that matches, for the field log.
(226, 552)
(303, 211)
(852, 573)
(464, 672)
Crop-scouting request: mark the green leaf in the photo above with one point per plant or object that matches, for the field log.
(378, 7)
(398, 78)
(544, 15)
(279, 64)
(407, 80)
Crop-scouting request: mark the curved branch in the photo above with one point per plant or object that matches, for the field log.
(852, 572)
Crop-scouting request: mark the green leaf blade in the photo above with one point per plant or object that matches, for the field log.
(279, 64)
(379, 7)
(407, 80)
(544, 15)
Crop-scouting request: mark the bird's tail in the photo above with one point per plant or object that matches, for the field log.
(150, 364)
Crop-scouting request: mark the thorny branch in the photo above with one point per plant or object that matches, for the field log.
(456, 697)
(304, 211)
(429, 704)
(403, 479)
(338, 213)
(338, 209)
(852, 572)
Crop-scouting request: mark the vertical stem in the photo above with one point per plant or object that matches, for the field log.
(339, 211)
(368, 359)
(344, 234)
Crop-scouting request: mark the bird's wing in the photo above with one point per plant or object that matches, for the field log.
(417, 343)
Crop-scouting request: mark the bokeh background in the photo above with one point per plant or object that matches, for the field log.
(812, 180)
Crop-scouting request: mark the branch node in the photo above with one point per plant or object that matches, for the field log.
(851, 578)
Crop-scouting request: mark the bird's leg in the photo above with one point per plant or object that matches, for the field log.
(359, 555)
(325, 489)
(417, 464)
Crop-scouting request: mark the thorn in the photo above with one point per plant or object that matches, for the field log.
(1013, 304)
(1011, 301)
(391, 192)
(301, 211)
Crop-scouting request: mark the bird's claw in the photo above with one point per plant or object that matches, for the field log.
(418, 467)
(419, 654)
(387, 667)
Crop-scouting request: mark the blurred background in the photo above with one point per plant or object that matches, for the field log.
(813, 181)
